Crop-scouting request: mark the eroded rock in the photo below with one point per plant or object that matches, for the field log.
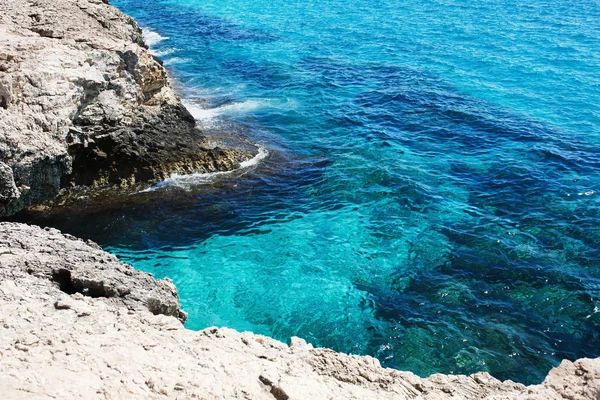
(73, 266)
(56, 341)
(83, 102)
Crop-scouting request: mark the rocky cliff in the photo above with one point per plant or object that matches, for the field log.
(82, 102)
(77, 323)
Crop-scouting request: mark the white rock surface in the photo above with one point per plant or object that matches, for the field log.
(59, 346)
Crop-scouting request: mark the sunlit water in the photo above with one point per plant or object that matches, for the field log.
(430, 188)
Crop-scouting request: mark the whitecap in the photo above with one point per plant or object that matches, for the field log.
(176, 60)
(242, 107)
(162, 53)
(261, 155)
(204, 115)
(208, 115)
(152, 38)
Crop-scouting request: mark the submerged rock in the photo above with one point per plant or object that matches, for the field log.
(77, 323)
(83, 102)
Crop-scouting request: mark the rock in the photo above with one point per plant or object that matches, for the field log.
(8, 188)
(73, 266)
(108, 342)
(83, 102)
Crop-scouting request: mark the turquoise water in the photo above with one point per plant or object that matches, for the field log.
(431, 193)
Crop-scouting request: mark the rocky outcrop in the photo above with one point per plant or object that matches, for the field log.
(77, 323)
(82, 102)
(74, 266)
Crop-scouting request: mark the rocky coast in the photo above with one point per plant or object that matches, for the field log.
(84, 104)
(75, 322)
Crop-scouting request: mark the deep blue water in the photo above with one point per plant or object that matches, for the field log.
(431, 194)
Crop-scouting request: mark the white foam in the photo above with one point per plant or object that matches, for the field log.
(162, 53)
(232, 108)
(176, 60)
(205, 115)
(243, 107)
(261, 155)
(185, 181)
(208, 116)
(152, 38)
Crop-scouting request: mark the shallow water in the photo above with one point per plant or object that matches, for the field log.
(431, 190)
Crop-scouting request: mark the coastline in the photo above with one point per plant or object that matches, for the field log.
(76, 322)
(84, 104)
(239, 365)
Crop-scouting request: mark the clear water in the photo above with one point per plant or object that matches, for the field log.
(431, 195)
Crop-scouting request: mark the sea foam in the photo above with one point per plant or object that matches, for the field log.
(163, 53)
(208, 116)
(151, 37)
(189, 180)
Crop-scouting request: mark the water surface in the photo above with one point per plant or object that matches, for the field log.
(431, 191)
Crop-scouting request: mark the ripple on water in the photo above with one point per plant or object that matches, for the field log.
(430, 191)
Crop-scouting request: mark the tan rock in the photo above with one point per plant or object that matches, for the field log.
(83, 102)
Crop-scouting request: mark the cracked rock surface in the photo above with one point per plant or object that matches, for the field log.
(113, 341)
(83, 102)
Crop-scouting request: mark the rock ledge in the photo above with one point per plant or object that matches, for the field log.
(83, 102)
(77, 323)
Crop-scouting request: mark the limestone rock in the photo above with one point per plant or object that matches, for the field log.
(111, 341)
(83, 102)
(8, 188)
(73, 266)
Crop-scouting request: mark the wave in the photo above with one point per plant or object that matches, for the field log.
(207, 116)
(174, 60)
(162, 53)
(186, 181)
(151, 37)
(204, 115)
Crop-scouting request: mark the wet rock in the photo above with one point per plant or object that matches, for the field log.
(83, 102)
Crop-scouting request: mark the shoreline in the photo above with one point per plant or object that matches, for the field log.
(77, 322)
(85, 105)
(262, 367)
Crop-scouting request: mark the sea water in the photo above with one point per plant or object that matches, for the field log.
(428, 190)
